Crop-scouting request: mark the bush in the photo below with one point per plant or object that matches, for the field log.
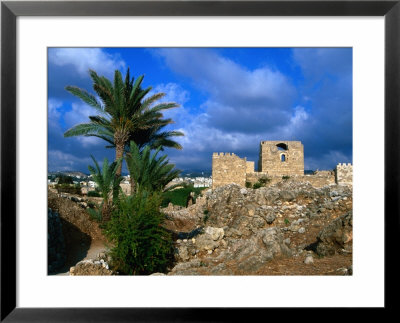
(285, 177)
(206, 216)
(257, 185)
(264, 180)
(93, 194)
(248, 184)
(180, 196)
(141, 245)
(261, 182)
(65, 179)
(68, 188)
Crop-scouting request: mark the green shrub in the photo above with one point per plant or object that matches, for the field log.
(95, 213)
(206, 216)
(65, 179)
(68, 188)
(285, 177)
(257, 185)
(264, 180)
(248, 184)
(91, 204)
(141, 245)
(287, 222)
(93, 194)
(180, 196)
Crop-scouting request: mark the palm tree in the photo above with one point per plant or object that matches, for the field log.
(108, 184)
(148, 172)
(125, 113)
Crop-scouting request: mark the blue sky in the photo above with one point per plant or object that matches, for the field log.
(230, 99)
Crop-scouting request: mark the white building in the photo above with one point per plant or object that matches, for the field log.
(92, 184)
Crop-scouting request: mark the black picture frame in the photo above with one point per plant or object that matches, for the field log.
(10, 10)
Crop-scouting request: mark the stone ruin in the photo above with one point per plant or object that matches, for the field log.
(277, 160)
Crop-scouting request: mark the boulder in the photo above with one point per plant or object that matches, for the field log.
(91, 267)
(336, 236)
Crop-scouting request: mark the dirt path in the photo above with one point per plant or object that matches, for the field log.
(79, 251)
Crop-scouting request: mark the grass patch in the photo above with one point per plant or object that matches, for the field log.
(180, 196)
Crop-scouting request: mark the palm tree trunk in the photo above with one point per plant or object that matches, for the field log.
(119, 153)
(132, 185)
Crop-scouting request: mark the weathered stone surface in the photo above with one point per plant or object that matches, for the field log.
(244, 232)
(336, 236)
(344, 174)
(55, 242)
(278, 161)
(309, 260)
(215, 233)
(91, 267)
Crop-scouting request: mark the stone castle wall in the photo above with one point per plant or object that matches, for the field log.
(319, 179)
(281, 158)
(228, 168)
(344, 174)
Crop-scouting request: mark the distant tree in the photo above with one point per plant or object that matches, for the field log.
(65, 179)
(124, 114)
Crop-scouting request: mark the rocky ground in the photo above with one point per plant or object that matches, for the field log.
(290, 228)
(81, 235)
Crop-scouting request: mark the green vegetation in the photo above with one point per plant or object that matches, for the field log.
(285, 177)
(124, 114)
(262, 182)
(132, 123)
(287, 222)
(93, 194)
(206, 216)
(248, 184)
(108, 184)
(148, 172)
(180, 196)
(68, 188)
(142, 245)
(64, 179)
(257, 185)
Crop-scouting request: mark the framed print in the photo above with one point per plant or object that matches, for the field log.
(223, 56)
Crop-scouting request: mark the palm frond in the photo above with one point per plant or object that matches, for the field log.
(83, 129)
(85, 97)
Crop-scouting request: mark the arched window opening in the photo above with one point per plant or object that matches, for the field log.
(283, 158)
(282, 146)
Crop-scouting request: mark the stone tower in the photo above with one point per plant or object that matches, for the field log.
(281, 158)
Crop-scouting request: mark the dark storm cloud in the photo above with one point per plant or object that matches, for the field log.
(241, 100)
(239, 107)
(328, 87)
(247, 106)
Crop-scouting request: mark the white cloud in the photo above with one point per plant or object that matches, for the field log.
(64, 161)
(83, 59)
(80, 113)
(54, 112)
(241, 100)
(173, 93)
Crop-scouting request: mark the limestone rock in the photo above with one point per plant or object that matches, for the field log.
(90, 267)
(335, 236)
(215, 233)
